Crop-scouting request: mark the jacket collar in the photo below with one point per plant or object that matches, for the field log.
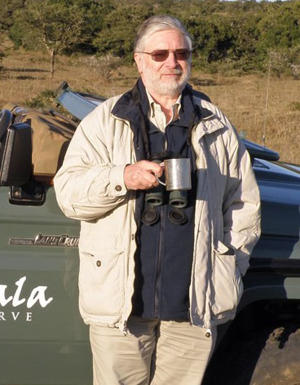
(209, 125)
(129, 106)
(209, 122)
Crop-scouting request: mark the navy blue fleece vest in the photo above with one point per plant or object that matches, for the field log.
(164, 253)
(164, 258)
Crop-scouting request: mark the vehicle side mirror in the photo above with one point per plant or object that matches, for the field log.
(16, 155)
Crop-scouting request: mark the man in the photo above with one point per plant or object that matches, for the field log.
(155, 279)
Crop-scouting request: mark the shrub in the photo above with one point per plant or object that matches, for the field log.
(45, 99)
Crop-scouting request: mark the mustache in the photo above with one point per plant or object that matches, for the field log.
(174, 72)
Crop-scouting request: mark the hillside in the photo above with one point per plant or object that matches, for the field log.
(257, 105)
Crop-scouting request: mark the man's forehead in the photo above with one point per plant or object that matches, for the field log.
(162, 39)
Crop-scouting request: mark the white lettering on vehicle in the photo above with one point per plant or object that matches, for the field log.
(15, 315)
(12, 316)
(37, 296)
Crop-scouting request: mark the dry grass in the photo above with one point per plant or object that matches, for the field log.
(275, 123)
(243, 99)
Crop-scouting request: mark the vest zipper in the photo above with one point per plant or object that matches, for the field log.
(157, 286)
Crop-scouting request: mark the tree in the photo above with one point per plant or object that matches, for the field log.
(53, 24)
(229, 34)
(119, 30)
(7, 10)
(94, 13)
(280, 27)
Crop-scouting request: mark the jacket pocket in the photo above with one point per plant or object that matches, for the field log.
(227, 284)
(101, 282)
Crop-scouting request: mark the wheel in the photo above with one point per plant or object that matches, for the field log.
(5, 121)
(266, 357)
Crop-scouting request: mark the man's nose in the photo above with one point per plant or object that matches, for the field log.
(171, 59)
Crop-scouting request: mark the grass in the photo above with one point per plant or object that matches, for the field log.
(266, 111)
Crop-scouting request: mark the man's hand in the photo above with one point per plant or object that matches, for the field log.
(142, 175)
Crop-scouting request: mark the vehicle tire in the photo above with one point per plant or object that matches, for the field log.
(5, 121)
(266, 357)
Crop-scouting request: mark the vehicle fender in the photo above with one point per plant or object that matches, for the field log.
(274, 288)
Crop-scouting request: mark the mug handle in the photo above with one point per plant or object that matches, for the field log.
(159, 181)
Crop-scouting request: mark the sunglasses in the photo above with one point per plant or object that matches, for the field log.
(160, 55)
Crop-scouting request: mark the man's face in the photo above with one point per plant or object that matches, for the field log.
(167, 77)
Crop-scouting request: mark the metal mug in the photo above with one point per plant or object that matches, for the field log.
(178, 174)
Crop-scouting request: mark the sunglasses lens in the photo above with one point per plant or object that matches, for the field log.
(162, 54)
(182, 54)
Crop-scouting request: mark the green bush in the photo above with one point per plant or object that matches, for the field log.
(235, 36)
(45, 99)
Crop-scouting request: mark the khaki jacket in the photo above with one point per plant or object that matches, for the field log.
(90, 188)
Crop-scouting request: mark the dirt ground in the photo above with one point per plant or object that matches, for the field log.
(268, 357)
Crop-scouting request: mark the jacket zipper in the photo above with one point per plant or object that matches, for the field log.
(157, 286)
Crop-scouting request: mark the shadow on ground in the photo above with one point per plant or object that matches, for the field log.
(266, 357)
(24, 70)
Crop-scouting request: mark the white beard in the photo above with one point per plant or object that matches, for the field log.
(167, 87)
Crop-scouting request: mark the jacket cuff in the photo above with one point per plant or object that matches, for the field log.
(116, 179)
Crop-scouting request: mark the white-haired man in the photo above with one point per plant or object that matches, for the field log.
(156, 278)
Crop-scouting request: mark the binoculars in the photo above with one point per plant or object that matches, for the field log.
(175, 187)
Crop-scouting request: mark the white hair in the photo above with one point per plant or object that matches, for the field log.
(156, 24)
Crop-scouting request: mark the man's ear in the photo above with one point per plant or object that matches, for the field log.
(139, 62)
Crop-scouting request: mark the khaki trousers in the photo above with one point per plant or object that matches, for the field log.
(153, 352)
